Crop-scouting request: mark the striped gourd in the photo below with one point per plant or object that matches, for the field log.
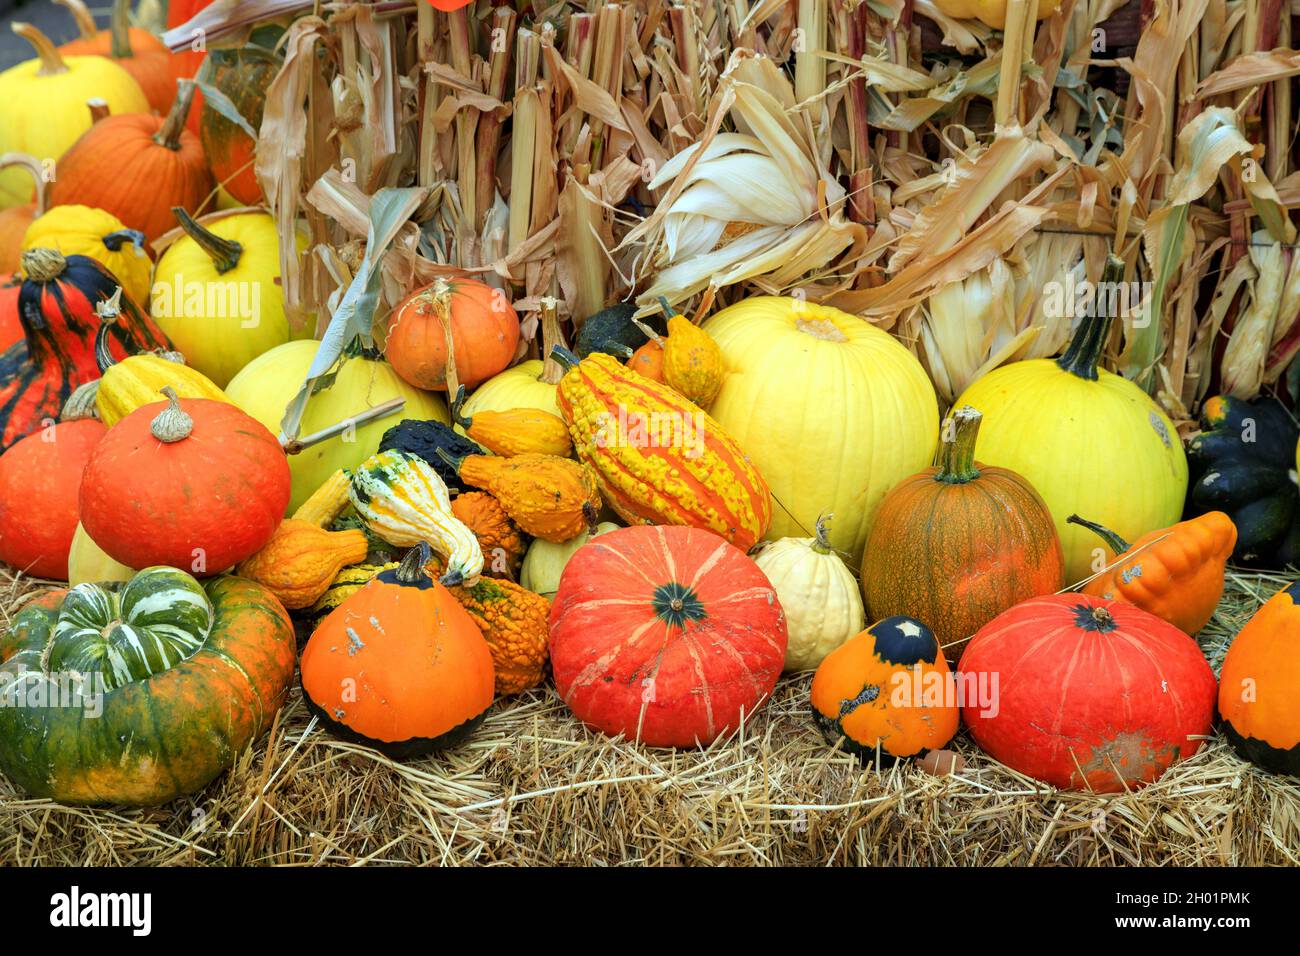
(659, 458)
(402, 500)
(128, 633)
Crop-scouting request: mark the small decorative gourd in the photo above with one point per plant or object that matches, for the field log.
(499, 538)
(549, 497)
(517, 431)
(692, 361)
(648, 361)
(424, 438)
(301, 560)
(514, 624)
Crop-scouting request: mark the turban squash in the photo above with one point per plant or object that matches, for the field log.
(181, 679)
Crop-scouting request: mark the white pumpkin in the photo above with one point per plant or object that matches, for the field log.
(821, 599)
(545, 560)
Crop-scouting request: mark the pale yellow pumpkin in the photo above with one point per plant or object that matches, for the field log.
(88, 563)
(545, 560)
(519, 387)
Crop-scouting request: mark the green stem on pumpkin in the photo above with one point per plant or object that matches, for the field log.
(564, 357)
(113, 241)
(51, 62)
(1113, 541)
(169, 134)
(173, 423)
(456, 404)
(1090, 337)
(119, 26)
(957, 447)
(224, 253)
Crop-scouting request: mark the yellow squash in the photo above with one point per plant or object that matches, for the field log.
(692, 361)
(515, 431)
(83, 231)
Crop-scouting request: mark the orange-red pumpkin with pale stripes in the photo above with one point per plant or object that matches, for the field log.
(667, 635)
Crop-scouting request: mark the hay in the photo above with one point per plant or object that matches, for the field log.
(534, 787)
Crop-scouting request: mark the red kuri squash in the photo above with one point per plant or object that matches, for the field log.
(484, 332)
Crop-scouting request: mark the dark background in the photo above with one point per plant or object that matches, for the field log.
(54, 21)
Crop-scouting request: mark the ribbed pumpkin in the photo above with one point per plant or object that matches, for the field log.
(1259, 689)
(832, 411)
(163, 727)
(484, 333)
(192, 483)
(957, 544)
(1089, 441)
(56, 305)
(523, 386)
(43, 105)
(15, 220)
(75, 230)
(822, 603)
(399, 665)
(1086, 694)
(242, 74)
(268, 384)
(546, 560)
(88, 563)
(40, 477)
(659, 458)
(667, 635)
(216, 292)
(134, 49)
(137, 167)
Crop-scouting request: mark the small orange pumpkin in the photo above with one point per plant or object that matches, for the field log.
(648, 360)
(484, 333)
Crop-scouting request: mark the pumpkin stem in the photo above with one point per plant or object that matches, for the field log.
(822, 542)
(119, 25)
(552, 369)
(113, 241)
(173, 423)
(456, 404)
(35, 169)
(1090, 337)
(169, 134)
(957, 447)
(85, 20)
(440, 300)
(1113, 541)
(412, 567)
(224, 253)
(98, 109)
(452, 460)
(51, 62)
(668, 310)
(81, 403)
(43, 265)
(591, 516)
(564, 357)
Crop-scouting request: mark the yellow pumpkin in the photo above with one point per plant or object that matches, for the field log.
(43, 105)
(83, 231)
(88, 563)
(833, 412)
(993, 13)
(518, 387)
(216, 292)
(266, 385)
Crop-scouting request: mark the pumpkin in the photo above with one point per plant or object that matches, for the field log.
(186, 62)
(546, 560)
(242, 74)
(88, 563)
(692, 361)
(525, 385)
(216, 292)
(514, 624)
(14, 222)
(301, 560)
(174, 682)
(615, 331)
(57, 305)
(1259, 689)
(499, 538)
(1086, 694)
(957, 544)
(424, 439)
(832, 411)
(39, 480)
(992, 13)
(484, 333)
(668, 635)
(823, 607)
(134, 49)
(83, 231)
(137, 167)
(660, 459)
(348, 581)
(191, 483)
(886, 692)
(43, 105)
(1176, 573)
(1243, 464)
(404, 502)
(516, 431)
(266, 386)
(648, 361)
(399, 665)
(549, 497)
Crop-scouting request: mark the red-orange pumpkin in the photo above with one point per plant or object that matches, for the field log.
(192, 483)
(1085, 693)
(243, 75)
(40, 478)
(134, 49)
(669, 635)
(484, 331)
(187, 62)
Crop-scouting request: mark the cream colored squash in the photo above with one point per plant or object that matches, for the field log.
(519, 387)
(545, 560)
(832, 411)
(88, 564)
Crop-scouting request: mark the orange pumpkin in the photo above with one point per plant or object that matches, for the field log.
(243, 75)
(14, 222)
(135, 50)
(484, 333)
(648, 360)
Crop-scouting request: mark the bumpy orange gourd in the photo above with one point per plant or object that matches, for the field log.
(549, 497)
(498, 536)
(692, 361)
(515, 431)
(659, 458)
(301, 560)
(1176, 573)
(514, 624)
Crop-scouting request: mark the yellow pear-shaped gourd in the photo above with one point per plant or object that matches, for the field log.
(692, 361)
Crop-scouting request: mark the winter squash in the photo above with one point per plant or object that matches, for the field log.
(788, 362)
(614, 331)
(513, 621)
(403, 500)
(886, 693)
(1176, 573)
(266, 386)
(134, 49)
(155, 162)
(484, 333)
(668, 635)
(499, 538)
(216, 292)
(75, 230)
(692, 361)
(1086, 694)
(192, 483)
(399, 665)
(14, 222)
(959, 543)
(169, 719)
(522, 386)
(993, 13)
(1089, 441)
(546, 560)
(515, 431)
(88, 563)
(301, 560)
(822, 603)
(1243, 464)
(1259, 688)
(548, 497)
(43, 105)
(57, 306)
(242, 74)
(424, 438)
(659, 458)
(39, 480)
(648, 361)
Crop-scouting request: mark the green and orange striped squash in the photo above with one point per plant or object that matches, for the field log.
(659, 458)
